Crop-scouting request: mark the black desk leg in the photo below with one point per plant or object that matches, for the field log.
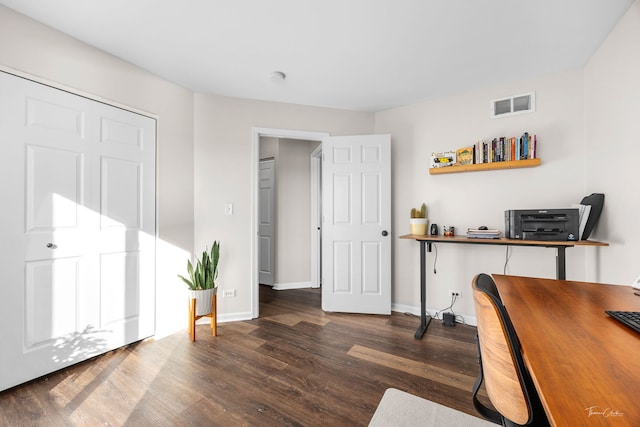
(561, 265)
(424, 319)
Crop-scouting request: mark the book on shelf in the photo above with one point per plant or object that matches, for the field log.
(499, 149)
(464, 156)
(505, 149)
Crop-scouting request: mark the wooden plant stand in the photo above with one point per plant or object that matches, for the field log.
(193, 317)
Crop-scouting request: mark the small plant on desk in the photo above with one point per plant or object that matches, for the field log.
(418, 221)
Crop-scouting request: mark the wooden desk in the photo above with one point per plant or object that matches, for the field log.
(427, 240)
(585, 365)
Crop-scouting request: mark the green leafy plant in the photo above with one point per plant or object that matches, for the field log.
(204, 275)
(421, 213)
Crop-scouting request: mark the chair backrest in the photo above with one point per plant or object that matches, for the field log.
(501, 360)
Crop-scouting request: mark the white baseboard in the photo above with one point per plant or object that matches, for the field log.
(223, 318)
(234, 317)
(291, 285)
(469, 319)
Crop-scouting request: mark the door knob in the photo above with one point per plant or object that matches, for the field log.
(384, 232)
(52, 246)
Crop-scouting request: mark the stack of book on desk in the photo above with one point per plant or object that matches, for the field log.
(476, 233)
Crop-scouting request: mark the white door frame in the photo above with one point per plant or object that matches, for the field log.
(316, 216)
(256, 133)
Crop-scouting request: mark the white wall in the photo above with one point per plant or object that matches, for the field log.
(32, 48)
(223, 174)
(268, 147)
(586, 122)
(480, 198)
(612, 115)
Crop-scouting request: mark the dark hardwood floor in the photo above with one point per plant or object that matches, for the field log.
(294, 366)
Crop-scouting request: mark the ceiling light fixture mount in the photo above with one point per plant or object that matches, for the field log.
(278, 76)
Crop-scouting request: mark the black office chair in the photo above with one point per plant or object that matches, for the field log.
(502, 368)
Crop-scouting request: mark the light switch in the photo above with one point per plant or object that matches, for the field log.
(228, 209)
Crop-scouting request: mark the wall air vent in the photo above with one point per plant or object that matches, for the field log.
(518, 104)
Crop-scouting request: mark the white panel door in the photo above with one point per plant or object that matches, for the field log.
(356, 238)
(266, 222)
(77, 180)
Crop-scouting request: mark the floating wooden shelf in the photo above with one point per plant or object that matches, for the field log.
(529, 163)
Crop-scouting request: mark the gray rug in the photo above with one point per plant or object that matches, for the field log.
(400, 409)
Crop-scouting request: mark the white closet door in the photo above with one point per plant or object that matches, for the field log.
(77, 181)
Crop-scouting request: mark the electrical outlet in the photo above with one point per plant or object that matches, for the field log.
(454, 293)
(228, 293)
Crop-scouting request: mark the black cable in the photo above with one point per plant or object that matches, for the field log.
(453, 301)
(435, 258)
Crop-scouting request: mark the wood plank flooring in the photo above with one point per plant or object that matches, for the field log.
(294, 366)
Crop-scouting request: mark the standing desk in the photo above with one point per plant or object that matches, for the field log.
(584, 364)
(425, 245)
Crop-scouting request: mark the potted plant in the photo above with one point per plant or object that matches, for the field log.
(418, 221)
(202, 279)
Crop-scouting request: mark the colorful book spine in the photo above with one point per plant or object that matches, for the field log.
(535, 146)
(503, 149)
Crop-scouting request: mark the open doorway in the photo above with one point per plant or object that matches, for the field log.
(285, 203)
(293, 144)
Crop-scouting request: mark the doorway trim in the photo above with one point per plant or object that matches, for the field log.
(316, 217)
(256, 133)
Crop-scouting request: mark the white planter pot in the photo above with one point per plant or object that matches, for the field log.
(418, 225)
(204, 300)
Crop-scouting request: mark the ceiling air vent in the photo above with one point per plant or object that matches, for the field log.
(518, 104)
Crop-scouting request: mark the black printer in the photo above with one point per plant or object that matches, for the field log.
(542, 224)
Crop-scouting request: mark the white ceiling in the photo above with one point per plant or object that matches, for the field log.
(364, 55)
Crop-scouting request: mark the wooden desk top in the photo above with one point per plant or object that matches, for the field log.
(585, 365)
(501, 241)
